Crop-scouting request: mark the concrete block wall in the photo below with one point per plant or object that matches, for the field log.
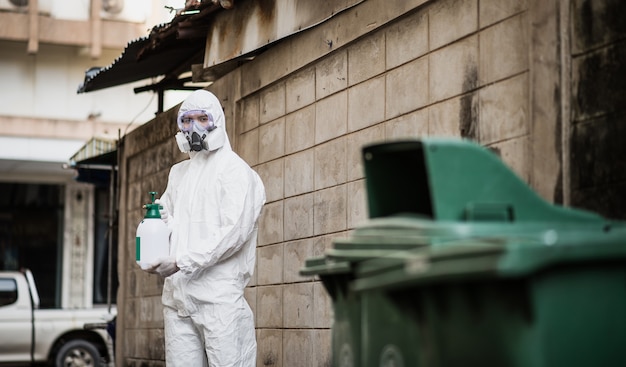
(147, 155)
(449, 68)
(488, 70)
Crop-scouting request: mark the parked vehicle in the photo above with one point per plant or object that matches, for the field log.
(56, 337)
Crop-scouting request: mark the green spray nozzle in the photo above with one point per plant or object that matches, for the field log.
(152, 208)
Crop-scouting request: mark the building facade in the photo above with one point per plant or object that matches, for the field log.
(539, 82)
(49, 221)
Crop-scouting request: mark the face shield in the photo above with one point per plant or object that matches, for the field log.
(194, 126)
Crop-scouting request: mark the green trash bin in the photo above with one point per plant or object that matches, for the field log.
(461, 263)
(557, 301)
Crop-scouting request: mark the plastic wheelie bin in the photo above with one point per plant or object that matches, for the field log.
(461, 263)
(555, 301)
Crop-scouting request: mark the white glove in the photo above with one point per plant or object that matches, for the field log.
(164, 266)
(164, 214)
(162, 210)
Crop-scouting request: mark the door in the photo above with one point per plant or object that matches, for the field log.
(15, 322)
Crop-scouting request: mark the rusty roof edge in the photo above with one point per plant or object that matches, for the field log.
(94, 71)
(212, 72)
(184, 27)
(250, 53)
(205, 9)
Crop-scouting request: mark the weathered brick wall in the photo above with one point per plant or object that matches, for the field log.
(489, 70)
(147, 154)
(451, 68)
(598, 127)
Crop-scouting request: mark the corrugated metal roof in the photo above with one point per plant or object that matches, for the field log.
(169, 50)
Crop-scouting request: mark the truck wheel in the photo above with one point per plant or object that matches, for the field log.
(78, 353)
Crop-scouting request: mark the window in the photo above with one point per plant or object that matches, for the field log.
(8, 291)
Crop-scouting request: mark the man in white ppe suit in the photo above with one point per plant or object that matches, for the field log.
(211, 205)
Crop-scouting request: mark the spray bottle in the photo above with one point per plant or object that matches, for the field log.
(152, 239)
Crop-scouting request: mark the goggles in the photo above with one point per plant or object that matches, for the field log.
(201, 119)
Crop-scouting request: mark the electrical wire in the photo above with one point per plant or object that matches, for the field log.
(139, 114)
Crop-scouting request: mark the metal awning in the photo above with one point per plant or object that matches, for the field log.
(168, 51)
(130, 66)
(97, 151)
(95, 161)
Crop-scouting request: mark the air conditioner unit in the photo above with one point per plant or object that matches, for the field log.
(135, 11)
(14, 5)
(22, 5)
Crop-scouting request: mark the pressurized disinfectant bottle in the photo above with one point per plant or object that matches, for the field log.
(152, 241)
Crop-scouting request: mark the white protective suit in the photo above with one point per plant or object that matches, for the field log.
(213, 202)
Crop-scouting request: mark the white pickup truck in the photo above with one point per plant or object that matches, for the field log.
(56, 337)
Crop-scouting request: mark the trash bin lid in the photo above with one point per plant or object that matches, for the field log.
(393, 238)
(454, 180)
(484, 256)
(394, 233)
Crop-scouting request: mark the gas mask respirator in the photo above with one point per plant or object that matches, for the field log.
(195, 126)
